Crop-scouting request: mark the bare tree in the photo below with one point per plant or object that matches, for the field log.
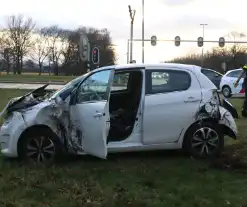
(57, 43)
(41, 49)
(20, 32)
(6, 51)
(236, 49)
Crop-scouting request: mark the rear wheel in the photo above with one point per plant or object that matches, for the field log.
(204, 140)
(42, 147)
(226, 91)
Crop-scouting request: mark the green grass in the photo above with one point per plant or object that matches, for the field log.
(34, 78)
(133, 179)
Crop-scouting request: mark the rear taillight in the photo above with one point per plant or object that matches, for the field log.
(242, 90)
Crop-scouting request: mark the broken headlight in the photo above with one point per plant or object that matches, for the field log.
(8, 118)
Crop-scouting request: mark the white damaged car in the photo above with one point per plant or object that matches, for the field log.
(118, 109)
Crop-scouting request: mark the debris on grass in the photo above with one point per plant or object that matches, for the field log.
(234, 157)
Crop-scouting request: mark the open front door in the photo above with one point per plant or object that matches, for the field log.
(89, 113)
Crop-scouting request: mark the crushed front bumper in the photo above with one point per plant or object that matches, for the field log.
(10, 133)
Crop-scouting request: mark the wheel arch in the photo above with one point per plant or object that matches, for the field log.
(206, 119)
(34, 129)
(225, 85)
(228, 131)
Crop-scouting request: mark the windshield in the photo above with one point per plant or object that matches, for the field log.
(63, 92)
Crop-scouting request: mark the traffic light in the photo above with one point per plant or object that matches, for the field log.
(200, 41)
(95, 55)
(177, 41)
(153, 40)
(221, 42)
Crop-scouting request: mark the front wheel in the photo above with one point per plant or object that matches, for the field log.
(226, 91)
(204, 140)
(44, 147)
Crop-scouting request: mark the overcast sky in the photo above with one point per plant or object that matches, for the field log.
(163, 18)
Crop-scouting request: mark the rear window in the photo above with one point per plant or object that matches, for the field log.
(165, 81)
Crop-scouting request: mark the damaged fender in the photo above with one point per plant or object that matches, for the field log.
(47, 114)
(228, 122)
(220, 115)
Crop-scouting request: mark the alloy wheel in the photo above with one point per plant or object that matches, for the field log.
(205, 141)
(226, 92)
(41, 149)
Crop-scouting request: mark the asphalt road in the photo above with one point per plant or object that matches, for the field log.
(28, 86)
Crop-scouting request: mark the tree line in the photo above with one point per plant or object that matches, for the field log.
(234, 56)
(53, 49)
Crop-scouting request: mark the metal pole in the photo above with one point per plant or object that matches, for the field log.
(202, 59)
(143, 31)
(128, 51)
(132, 17)
(131, 41)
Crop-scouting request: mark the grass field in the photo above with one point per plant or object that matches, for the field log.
(136, 179)
(33, 77)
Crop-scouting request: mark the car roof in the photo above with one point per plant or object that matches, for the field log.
(143, 66)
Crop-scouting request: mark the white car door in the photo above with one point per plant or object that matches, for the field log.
(89, 113)
(170, 104)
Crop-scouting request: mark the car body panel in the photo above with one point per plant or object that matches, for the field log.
(55, 114)
(162, 110)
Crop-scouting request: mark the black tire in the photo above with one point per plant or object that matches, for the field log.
(195, 145)
(48, 153)
(225, 93)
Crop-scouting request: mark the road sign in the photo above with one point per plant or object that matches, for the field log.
(221, 41)
(177, 41)
(84, 47)
(95, 55)
(200, 41)
(153, 40)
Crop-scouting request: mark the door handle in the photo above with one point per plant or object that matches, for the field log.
(191, 97)
(192, 101)
(98, 115)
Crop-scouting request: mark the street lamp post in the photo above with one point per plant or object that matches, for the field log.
(203, 25)
(132, 17)
(143, 31)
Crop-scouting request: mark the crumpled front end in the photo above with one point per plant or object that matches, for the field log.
(10, 132)
(220, 114)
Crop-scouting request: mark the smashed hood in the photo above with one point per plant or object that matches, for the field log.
(30, 99)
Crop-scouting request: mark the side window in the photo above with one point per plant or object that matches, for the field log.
(120, 81)
(230, 74)
(209, 74)
(164, 81)
(238, 73)
(94, 88)
(234, 74)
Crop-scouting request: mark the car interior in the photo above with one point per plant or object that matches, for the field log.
(124, 103)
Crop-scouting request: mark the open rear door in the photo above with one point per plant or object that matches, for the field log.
(89, 113)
